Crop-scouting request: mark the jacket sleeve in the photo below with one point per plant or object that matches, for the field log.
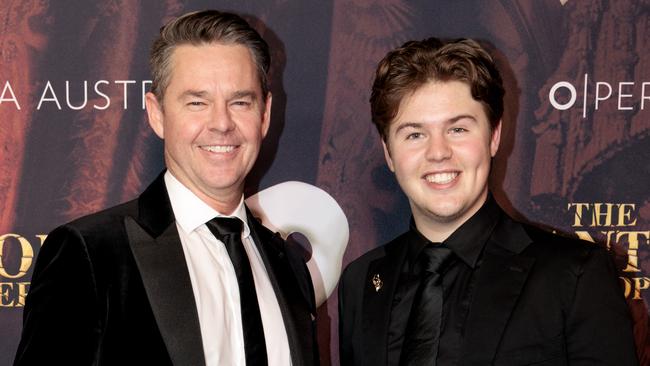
(60, 319)
(598, 326)
(346, 355)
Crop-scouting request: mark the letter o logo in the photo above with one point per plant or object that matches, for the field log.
(554, 102)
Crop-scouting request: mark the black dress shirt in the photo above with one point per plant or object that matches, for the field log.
(467, 244)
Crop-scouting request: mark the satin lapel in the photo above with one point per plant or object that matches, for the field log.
(164, 274)
(377, 304)
(158, 253)
(500, 281)
(295, 306)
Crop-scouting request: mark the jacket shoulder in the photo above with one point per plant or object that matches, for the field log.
(100, 236)
(554, 242)
(562, 251)
(106, 219)
(358, 267)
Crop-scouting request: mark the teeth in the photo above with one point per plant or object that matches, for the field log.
(441, 178)
(218, 148)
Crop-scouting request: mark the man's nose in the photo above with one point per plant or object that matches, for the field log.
(221, 119)
(438, 148)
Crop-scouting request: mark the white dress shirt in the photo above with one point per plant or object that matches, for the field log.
(215, 287)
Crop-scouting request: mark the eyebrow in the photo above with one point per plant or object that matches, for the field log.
(408, 125)
(193, 93)
(449, 121)
(462, 116)
(243, 94)
(203, 94)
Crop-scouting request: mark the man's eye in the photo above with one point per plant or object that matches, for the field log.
(241, 103)
(414, 135)
(195, 103)
(458, 130)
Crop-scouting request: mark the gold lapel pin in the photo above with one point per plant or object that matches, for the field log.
(377, 282)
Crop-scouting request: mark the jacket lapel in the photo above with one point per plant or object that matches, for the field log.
(291, 283)
(501, 280)
(158, 253)
(378, 292)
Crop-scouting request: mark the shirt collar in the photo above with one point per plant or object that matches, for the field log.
(468, 240)
(191, 212)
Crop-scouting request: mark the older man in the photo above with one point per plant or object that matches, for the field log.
(183, 275)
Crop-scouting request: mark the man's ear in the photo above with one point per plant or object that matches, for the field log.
(389, 160)
(155, 114)
(266, 116)
(495, 139)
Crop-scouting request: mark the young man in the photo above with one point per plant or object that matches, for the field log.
(467, 285)
(183, 275)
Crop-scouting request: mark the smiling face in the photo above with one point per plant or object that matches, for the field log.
(213, 118)
(439, 146)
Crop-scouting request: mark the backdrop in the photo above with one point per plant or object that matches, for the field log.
(574, 156)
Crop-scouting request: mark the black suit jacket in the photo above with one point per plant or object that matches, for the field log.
(539, 299)
(113, 288)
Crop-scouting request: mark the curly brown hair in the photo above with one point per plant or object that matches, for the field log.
(405, 69)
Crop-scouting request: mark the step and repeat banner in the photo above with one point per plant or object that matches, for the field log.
(575, 153)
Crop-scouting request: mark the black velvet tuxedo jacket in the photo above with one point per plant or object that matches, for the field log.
(538, 299)
(113, 288)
